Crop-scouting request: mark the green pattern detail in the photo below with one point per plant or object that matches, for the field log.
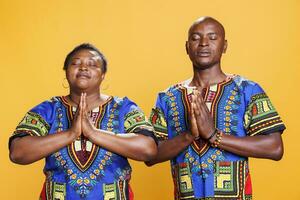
(227, 185)
(33, 124)
(59, 191)
(136, 119)
(110, 191)
(158, 121)
(247, 197)
(264, 109)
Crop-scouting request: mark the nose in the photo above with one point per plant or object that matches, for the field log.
(203, 41)
(83, 67)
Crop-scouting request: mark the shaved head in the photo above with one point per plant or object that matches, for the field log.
(207, 19)
(206, 43)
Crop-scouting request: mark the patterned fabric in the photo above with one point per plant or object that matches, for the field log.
(33, 124)
(83, 170)
(239, 107)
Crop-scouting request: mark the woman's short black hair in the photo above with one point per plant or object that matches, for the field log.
(88, 47)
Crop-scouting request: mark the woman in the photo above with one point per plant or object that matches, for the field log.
(86, 137)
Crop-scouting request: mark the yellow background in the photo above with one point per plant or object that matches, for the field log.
(144, 44)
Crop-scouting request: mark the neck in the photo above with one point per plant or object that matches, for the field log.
(206, 77)
(92, 99)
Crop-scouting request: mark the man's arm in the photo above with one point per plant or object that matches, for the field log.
(268, 146)
(260, 146)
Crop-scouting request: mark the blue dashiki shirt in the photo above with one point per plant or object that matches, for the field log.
(240, 108)
(83, 170)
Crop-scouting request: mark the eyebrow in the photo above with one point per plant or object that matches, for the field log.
(210, 33)
(89, 58)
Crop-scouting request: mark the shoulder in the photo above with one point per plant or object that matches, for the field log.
(247, 85)
(250, 89)
(173, 89)
(241, 81)
(47, 105)
(121, 101)
(43, 113)
(124, 104)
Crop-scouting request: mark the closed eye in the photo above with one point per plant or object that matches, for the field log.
(213, 36)
(195, 37)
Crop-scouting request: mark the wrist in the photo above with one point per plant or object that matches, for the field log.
(71, 135)
(90, 134)
(212, 134)
(216, 140)
(189, 138)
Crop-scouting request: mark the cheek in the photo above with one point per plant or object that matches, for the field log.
(193, 46)
(98, 75)
(70, 74)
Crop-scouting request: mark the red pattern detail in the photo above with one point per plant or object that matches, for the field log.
(43, 192)
(83, 155)
(131, 195)
(182, 165)
(248, 187)
(154, 118)
(225, 163)
(254, 110)
(211, 95)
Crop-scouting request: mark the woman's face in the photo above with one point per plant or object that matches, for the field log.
(84, 72)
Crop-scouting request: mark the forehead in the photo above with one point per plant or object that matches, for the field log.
(86, 53)
(205, 27)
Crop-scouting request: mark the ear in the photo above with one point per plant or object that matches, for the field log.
(102, 77)
(225, 46)
(187, 47)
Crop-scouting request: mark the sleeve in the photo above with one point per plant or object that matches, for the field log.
(158, 120)
(36, 122)
(135, 121)
(260, 116)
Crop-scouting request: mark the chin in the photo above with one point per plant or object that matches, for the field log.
(202, 65)
(81, 88)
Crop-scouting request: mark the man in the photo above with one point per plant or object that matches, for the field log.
(209, 125)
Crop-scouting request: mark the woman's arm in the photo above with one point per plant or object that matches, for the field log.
(168, 149)
(130, 145)
(29, 149)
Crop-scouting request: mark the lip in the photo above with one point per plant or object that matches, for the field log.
(83, 75)
(203, 53)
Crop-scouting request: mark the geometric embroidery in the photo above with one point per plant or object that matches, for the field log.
(88, 175)
(109, 191)
(59, 191)
(159, 123)
(223, 177)
(201, 146)
(116, 191)
(229, 179)
(214, 173)
(261, 116)
(82, 151)
(135, 119)
(183, 176)
(33, 124)
(72, 175)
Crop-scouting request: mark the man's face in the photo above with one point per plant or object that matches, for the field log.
(205, 44)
